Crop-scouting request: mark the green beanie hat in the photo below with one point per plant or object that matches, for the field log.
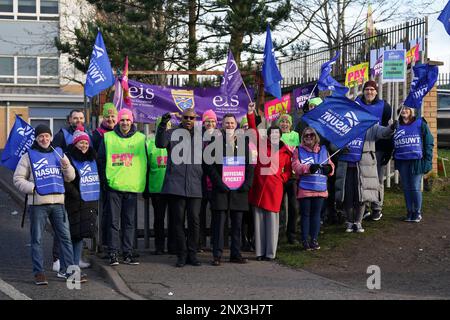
(286, 116)
(109, 108)
(315, 101)
(243, 122)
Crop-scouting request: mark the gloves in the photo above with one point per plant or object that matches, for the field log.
(314, 168)
(165, 118)
(326, 169)
(394, 125)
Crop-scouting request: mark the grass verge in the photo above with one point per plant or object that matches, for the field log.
(333, 237)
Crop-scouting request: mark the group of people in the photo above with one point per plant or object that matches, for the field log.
(183, 174)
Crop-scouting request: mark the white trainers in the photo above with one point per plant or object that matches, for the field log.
(83, 264)
(359, 227)
(56, 266)
(349, 227)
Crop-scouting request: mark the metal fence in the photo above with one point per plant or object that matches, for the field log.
(358, 49)
(444, 81)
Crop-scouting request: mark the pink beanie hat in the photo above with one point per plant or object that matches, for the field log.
(127, 112)
(79, 135)
(209, 114)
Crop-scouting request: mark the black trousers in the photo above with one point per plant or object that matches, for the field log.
(203, 215)
(121, 208)
(178, 206)
(248, 229)
(159, 203)
(290, 188)
(219, 218)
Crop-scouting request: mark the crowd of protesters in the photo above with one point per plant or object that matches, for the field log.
(78, 179)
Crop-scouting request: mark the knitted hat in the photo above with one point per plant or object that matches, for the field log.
(209, 114)
(285, 116)
(79, 135)
(42, 128)
(243, 122)
(372, 84)
(109, 108)
(123, 112)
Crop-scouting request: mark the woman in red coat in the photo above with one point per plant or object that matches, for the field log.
(266, 192)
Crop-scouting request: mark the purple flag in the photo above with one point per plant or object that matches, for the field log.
(232, 79)
(151, 101)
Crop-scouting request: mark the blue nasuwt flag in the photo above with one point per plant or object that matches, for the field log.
(232, 79)
(340, 120)
(270, 72)
(327, 82)
(425, 76)
(20, 140)
(99, 75)
(444, 17)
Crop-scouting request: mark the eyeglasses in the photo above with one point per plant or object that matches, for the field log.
(188, 118)
(309, 135)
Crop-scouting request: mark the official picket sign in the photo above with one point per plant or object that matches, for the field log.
(233, 172)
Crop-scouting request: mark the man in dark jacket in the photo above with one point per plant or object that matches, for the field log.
(225, 195)
(64, 137)
(183, 181)
(381, 109)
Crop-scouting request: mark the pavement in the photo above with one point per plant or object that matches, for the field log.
(157, 278)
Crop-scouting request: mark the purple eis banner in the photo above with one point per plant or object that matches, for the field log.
(150, 101)
(301, 95)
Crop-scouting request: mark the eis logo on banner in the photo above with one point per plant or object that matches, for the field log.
(184, 99)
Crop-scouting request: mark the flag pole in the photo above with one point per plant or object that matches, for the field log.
(246, 90)
(56, 151)
(312, 91)
(330, 157)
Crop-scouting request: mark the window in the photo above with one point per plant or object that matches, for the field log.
(29, 9)
(29, 70)
(6, 6)
(6, 70)
(26, 70)
(49, 6)
(27, 6)
(55, 124)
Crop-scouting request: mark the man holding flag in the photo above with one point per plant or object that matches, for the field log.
(346, 123)
(40, 175)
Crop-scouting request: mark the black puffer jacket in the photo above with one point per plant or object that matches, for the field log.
(82, 214)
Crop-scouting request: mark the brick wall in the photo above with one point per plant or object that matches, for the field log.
(429, 112)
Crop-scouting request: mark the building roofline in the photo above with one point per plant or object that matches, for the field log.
(41, 98)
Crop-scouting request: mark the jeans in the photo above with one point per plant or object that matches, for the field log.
(121, 216)
(310, 209)
(60, 223)
(77, 251)
(411, 186)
